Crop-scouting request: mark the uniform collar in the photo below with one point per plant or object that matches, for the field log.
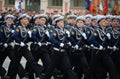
(60, 28)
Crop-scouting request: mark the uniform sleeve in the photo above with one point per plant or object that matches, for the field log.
(16, 36)
(2, 35)
(53, 36)
(92, 39)
(72, 37)
(34, 37)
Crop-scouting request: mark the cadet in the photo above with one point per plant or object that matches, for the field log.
(6, 33)
(101, 60)
(39, 37)
(88, 19)
(93, 23)
(71, 21)
(108, 20)
(5, 38)
(88, 31)
(58, 37)
(53, 19)
(78, 58)
(21, 38)
(115, 41)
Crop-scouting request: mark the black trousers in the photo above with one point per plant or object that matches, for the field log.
(41, 53)
(28, 56)
(2, 71)
(9, 51)
(102, 62)
(80, 64)
(62, 59)
(116, 58)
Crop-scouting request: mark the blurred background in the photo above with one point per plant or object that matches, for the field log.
(63, 6)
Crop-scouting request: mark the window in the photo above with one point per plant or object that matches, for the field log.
(78, 3)
(32, 5)
(9, 2)
(55, 2)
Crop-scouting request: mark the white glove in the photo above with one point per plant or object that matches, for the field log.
(47, 33)
(76, 47)
(61, 44)
(22, 44)
(68, 33)
(39, 43)
(69, 43)
(92, 45)
(5, 45)
(114, 48)
(84, 35)
(108, 35)
(12, 31)
(30, 34)
(100, 47)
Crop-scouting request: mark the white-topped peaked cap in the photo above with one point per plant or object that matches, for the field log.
(88, 16)
(43, 16)
(108, 16)
(100, 17)
(24, 15)
(9, 16)
(55, 16)
(71, 16)
(59, 19)
(80, 18)
(36, 16)
(94, 18)
(115, 17)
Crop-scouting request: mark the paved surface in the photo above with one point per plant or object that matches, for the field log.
(7, 61)
(23, 62)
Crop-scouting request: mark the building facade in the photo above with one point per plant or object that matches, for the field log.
(50, 5)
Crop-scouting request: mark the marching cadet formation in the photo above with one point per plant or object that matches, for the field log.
(85, 47)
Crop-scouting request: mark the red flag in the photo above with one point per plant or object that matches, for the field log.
(116, 8)
(94, 7)
(90, 9)
(105, 6)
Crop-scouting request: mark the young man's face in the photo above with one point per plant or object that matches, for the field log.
(25, 21)
(42, 21)
(88, 21)
(94, 23)
(71, 21)
(9, 21)
(60, 23)
(115, 22)
(80, 23)
(108, 22)
(103, 23)
(37, 21)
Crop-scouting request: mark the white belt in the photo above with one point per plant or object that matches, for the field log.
(43, 43)
(17, 44)
(62, 50)
(11, 44)
(95, 48)
(48, 43)
(80, 48)
(110, 47)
